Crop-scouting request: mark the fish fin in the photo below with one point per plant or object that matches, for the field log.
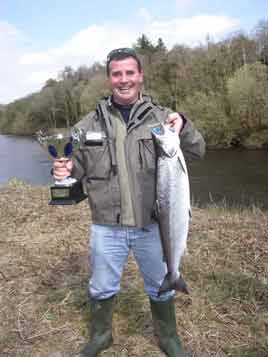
(157, 210)
(167, 285)
(181, 165)
(190, 213)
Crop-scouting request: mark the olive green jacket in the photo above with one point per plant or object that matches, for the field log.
(98, 166)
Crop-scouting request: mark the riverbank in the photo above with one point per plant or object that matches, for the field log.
(44, 271)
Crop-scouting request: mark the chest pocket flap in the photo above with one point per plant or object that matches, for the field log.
(97, 161)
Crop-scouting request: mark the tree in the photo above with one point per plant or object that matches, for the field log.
(146, 51)
(144, 45)
(50, 83)
(247, 95)
(208, 113)
(260, 35)
(160, 47)
(67, 73)
(241, 51)
(92, 92)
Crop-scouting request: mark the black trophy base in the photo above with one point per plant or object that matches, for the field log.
(67, 195)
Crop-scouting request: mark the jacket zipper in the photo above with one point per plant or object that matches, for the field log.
(131, 188)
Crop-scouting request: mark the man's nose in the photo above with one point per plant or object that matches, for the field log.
(124, 77)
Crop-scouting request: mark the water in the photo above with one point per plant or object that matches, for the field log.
(23, 158)
(236, 177)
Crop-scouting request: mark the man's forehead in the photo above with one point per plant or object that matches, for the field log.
(121, 64)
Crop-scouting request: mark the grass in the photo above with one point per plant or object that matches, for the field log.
(44, 273)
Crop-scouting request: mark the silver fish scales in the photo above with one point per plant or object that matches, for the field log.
(173, 204)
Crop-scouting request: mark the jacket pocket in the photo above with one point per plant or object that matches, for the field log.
(147, 155)
(97, 161)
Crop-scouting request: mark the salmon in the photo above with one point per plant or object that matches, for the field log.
(173, 207)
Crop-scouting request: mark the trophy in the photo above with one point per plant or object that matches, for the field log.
(61, 144)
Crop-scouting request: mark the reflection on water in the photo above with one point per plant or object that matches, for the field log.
(238, 177)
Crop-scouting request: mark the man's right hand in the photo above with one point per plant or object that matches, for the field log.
(62, 168)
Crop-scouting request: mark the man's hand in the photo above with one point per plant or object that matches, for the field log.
(175, 121)
(62, 168)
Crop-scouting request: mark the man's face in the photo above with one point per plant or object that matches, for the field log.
(125, 80)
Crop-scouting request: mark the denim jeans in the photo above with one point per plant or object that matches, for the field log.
(110, 246)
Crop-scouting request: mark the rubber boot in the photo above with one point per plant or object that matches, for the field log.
(164, 320)
(101, 327)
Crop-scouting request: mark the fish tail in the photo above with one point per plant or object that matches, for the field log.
(179, 284)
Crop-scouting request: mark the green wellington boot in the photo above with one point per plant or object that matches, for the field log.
(101, 327)
(164, 320)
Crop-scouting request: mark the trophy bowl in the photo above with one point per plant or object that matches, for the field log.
(61, 144)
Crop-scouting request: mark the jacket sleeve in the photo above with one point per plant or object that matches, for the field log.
(192, 142)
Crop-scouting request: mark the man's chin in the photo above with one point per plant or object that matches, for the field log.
(125, 99)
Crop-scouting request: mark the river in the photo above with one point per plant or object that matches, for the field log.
(237, 177)
(23, 157)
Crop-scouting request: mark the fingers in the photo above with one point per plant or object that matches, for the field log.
(62, 168)
(175, 121)
(173, 117)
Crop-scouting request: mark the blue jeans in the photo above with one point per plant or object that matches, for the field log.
(110, 246)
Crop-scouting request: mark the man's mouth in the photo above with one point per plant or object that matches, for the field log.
(124, 89)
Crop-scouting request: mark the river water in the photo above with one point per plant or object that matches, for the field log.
(23, 158)
(237, 177)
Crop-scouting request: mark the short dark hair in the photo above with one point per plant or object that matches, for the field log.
(120, 54)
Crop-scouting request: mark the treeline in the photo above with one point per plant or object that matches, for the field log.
(222, 87)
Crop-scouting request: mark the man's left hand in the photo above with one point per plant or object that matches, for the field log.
(175, 121)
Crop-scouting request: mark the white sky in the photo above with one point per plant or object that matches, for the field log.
(39, 38)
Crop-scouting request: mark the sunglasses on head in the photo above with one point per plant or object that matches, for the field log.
(119, 52)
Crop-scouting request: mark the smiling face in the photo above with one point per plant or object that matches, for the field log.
(125, 80)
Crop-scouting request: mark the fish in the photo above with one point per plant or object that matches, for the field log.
(173, 206)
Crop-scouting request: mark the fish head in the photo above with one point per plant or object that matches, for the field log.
(166, 139)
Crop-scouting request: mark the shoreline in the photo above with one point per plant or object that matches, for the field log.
(260, 146)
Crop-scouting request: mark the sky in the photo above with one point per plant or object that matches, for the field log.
(38, 38)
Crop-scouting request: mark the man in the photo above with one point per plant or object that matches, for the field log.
(119, 177)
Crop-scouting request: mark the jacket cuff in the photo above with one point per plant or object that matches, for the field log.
(184, 119)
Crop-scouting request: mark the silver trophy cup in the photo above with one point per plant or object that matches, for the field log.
(61, 144)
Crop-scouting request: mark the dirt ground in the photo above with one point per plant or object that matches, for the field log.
(44, 308)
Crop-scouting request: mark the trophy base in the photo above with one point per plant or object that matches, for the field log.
(67, 195)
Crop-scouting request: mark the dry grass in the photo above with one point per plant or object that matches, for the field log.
(44, 272)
